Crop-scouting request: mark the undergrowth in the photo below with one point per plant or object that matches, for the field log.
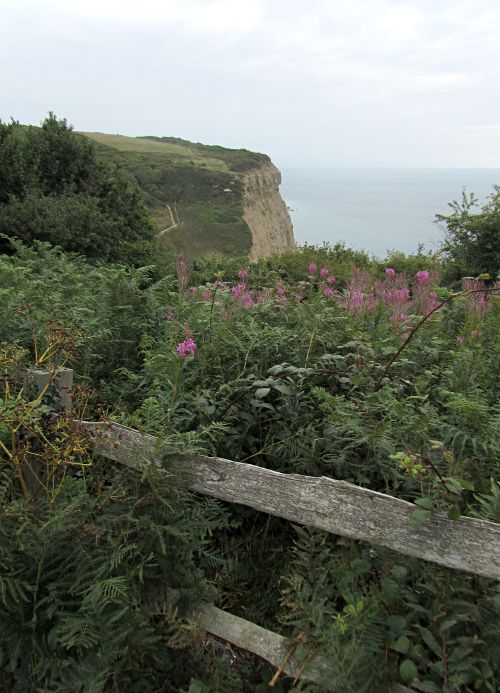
(385, 380)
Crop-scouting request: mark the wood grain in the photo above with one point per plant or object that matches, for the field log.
(272, 647)
(329, 504)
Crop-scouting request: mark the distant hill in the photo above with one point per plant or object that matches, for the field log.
(195, 192)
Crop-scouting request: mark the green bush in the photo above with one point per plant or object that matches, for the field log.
(53, 189)
(473, 237)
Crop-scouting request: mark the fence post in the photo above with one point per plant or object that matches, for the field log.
(63, 383)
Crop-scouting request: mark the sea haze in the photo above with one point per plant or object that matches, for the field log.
(377, 209)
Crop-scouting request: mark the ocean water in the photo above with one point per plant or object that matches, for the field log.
(377, 209)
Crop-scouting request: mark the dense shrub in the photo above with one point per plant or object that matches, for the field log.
(473, 236)
(53, 189)
(294, 371)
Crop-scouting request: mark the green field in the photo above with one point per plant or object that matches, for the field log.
(143, 145)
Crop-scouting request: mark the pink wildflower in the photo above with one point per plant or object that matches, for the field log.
(424, 300)
(243, 275)
(247, 300)
(238, 290)
(390, 272)
(461, 341)
(398, 302)
(422, 276)
(355, 302)
(192, 291)
(360, 281)
(328, 292)
(280, 289)
(313, 270)
(390, 283)
(324, 272)
(402, 317)
(331, 279)
(478, 302)
(206, 295)
(186, 348)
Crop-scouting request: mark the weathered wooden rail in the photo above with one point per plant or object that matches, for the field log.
(328, 504)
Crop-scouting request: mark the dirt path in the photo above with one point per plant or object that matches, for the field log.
(172, 218)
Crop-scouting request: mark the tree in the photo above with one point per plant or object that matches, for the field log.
(473, 238)
(52, 188)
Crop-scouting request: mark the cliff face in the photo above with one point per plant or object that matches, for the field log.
(265, 213)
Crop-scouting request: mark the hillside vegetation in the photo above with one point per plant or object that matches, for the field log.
(193, 188)
(320, 362)
(52, 188)
(284, 365)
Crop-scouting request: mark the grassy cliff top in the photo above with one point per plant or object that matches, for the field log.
(177, 150)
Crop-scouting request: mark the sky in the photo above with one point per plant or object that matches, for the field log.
(312, 83)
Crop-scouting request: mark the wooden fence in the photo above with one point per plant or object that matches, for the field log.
(328, 504)
(335, 506)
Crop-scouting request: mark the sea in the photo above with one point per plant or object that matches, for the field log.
(377, 210)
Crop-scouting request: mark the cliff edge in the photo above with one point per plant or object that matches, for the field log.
(204, 199)
(265, 212)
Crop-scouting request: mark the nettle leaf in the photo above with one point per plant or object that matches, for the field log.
(399, 572)
(276, 369)
(284, 389)
(447, 624)
(424, 502)
(454, 486)
(419, 517)
(360, 566)
(429, 687)
(402, 645)
(262, 392)
(408, 670)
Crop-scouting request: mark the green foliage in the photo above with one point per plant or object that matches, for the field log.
(292, 266)
(295, 387)
(106, 307)
(236, 159)
(294, 381)
(53, 189)
(411, 264)
(473, 237)
(194, 186)
(84, 600)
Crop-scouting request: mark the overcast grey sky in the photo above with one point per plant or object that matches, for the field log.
(310, 82)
